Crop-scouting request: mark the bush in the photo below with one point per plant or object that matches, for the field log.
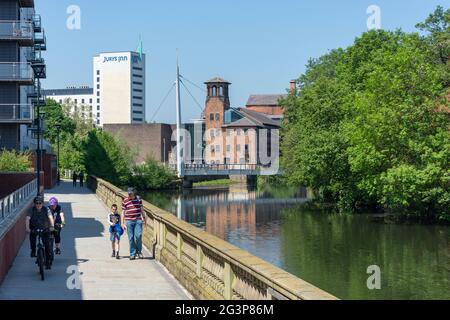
(151, 175)
(13, 161)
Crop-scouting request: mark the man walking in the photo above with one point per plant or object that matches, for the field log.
(133, 219)
(81, 176)
(74, 179)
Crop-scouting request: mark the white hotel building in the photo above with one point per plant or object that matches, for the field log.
(118, 92)
(119, 88)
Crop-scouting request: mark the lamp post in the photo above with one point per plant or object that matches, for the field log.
(58, 176)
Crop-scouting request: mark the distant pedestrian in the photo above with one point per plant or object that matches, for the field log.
(74, 179)
(133, 219)
(81, 176)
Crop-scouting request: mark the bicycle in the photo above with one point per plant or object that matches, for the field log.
(40, 256)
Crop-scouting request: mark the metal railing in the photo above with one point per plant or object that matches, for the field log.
(16, 30)
(10, 203)
(16, 71)
(15, 112)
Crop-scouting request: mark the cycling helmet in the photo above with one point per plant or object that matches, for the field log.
(53, 201)
(39, 199)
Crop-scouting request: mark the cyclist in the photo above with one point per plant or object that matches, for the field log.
(58, 216)
(40, 217)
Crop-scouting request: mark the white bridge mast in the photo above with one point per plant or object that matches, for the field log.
(180, 147)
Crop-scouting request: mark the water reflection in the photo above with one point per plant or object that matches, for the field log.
(332, 251)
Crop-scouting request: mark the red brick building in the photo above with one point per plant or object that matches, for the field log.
(233, 135)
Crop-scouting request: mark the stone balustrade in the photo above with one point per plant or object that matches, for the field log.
(209, 267)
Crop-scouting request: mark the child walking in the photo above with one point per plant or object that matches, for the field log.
(115, 230)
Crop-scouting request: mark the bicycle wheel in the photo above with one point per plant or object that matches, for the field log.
(41, 262)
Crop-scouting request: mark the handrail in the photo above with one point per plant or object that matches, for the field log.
(209, 267)
(11, 202)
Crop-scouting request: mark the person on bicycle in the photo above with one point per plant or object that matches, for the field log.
(58, 217)
(115, 231)
(40, 218)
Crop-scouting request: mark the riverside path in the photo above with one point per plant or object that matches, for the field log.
(86, 250)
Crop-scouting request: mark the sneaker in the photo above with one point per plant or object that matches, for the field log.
(133, 258)
(48, 267)
(57, 251)
(117, 256)
(113, 254)
(140, 256)
(33, 254)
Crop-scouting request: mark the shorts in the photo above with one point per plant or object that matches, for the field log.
(116, 232)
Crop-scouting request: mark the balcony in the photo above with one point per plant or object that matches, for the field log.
(40, 41)
(38, 65)
(37, 23)
(20, 72)
(26, 3)
(16, 113)
(17, 31)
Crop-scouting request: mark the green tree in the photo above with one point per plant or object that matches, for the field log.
(365, 128)
(107, 157)
(56, 115)
(151, 176)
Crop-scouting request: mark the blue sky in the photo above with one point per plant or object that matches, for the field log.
(257, 45)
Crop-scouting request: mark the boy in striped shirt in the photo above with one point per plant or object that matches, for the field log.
(133, 219)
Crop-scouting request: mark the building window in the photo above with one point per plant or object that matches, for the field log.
(98, 79)
(137, 112)
(98, 108)
(137, 83)
(217, 116)
(228, 148)
(229, 133)
(238, 132)
(238, 148)
(214, 91)
(82, 101)
(138, 98)
(242, 161)
(98, 121)
(138, 69)
(212, 134)
(137, 119)
(98, 87)
(211, 117)
(218, 148)
(60, 101)
(137, 76)
(98, 115)
(137, 90)
(98, 100)
(76, 101)
(221, 91)
(98, 72)
(212, 149)
(98, 93)
(90, 101)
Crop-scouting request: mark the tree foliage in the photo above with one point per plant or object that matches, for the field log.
(365, 130)
(151, 175)
(13, 161)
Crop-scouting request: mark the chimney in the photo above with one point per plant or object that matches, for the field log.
(293, 87)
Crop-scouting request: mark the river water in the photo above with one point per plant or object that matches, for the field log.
(331, 251)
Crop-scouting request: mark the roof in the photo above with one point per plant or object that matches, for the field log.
(217, 80)
(68, 92)
(253, 119)
(265, 99)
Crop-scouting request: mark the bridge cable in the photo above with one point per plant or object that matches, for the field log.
(192, 83)
(162, 103)
(192, 96)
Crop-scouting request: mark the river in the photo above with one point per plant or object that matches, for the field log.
(332, 251)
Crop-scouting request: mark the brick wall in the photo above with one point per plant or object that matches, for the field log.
(148, 139)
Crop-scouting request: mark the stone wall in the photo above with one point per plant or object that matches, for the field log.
(209, 267)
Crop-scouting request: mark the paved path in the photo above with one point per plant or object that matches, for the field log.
(85, 245)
